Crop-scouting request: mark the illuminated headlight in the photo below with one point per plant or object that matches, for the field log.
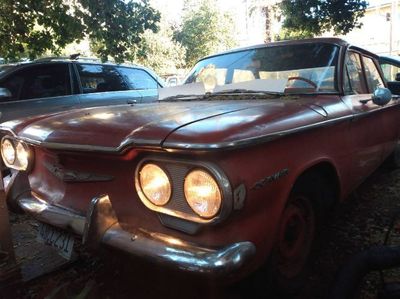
(202, 193)
(15, 154)
(155, 184)
(22, 156)
(8, 152)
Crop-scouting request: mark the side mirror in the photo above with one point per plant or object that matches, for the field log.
(397, 78)
(5, 93)
(381, 96)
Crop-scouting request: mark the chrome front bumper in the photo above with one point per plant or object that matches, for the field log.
(100, 225)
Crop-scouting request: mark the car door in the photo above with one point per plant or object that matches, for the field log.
(368, 139)
(142, 81)
(37, 89)
(103, 85)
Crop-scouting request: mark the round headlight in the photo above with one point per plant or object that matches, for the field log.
(8, 151)
(202, 193)
(155, 184)
(22, 156)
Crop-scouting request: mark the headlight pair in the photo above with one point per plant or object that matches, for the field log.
(15, 154)
(200, 189)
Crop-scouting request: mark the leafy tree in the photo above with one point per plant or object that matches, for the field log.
(312, 17)
(160, 51)
(204, 30)
(30, 28)
(115, 26)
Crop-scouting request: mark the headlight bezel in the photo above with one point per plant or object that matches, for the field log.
(177, 193)
(17, 165)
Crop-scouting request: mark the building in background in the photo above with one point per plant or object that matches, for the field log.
(380, 32)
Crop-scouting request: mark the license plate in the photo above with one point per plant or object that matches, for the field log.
(59, 239)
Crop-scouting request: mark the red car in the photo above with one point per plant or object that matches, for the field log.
(215, 183)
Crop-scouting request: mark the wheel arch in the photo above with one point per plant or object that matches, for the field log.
(328, 170)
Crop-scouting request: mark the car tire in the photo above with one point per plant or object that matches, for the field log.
(300, 221)
(393, 160)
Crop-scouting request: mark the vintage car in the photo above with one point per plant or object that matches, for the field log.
(238, 170)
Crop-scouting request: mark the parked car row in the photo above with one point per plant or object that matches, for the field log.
(232, 172)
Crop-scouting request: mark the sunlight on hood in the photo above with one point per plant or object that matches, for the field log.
(262, 85)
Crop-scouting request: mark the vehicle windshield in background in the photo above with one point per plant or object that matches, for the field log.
(306, 67)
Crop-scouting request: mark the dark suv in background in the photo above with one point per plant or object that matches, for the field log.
(55, 84)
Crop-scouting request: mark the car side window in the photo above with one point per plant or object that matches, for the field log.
(100, 78)
(373, 77)
(14, 84)
(353, 77)
(390, 71)
(42, 81)
(138, 79)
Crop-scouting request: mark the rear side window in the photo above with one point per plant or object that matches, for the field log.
(39, 81)
(373, 77)
(138, 79)
(100, 78)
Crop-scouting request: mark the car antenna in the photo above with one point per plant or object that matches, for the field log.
(74, 56)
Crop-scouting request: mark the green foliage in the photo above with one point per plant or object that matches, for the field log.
(159, 51)
(30, 28)
(317, 16)
(115, 26)
(285, 34)
(204, 30)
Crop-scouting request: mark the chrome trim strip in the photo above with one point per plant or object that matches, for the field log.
(172, 146)
(155, 247)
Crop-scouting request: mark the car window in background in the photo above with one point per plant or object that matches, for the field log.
(40, 81)
(44, 81)
(137, 79)
(100, 78)
(353, 74)
(373, 77)
(390, 71)
(14, 85)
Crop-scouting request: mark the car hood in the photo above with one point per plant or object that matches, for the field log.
(197, 124)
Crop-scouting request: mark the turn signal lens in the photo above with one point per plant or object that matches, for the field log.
(8, 152)
(202, 193)
(155, 184)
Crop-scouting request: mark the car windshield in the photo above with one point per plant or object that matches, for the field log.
(307, 67)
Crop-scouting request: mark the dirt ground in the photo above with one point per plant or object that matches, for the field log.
(355, 225)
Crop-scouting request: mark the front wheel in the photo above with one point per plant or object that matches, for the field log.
(295, 237)
(311, 197)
